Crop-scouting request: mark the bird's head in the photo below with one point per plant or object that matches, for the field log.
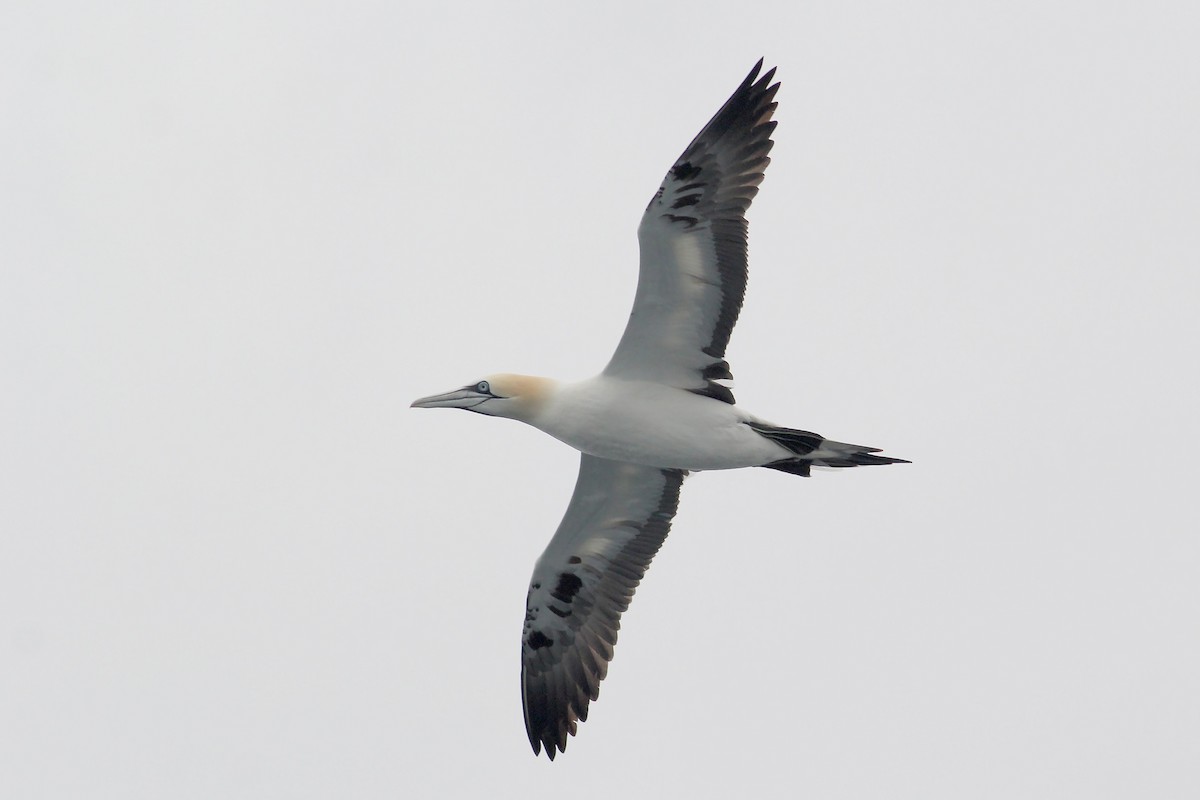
(516, 396)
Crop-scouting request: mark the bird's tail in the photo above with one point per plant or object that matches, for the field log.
(814, 450)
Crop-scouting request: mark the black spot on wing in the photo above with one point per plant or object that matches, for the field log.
(537, 640)
(717, 371)
(568, 586)
(686, 200)
(716, 391)
(684, 171)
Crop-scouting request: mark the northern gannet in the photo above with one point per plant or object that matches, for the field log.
(659, 410)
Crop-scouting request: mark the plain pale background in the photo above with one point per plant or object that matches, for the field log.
(239, 238)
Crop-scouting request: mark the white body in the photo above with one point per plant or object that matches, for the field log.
(648, 423)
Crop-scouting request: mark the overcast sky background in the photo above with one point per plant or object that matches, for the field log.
(239, 238)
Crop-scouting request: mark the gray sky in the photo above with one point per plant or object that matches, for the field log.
(239, 239)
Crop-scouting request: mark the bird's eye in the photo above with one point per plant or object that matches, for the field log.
(483, 388)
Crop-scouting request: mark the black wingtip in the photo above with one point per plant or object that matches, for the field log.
(552, 748)
(754, 80)
(766, 76)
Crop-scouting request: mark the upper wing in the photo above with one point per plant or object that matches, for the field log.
(693, 249)
(618, 518)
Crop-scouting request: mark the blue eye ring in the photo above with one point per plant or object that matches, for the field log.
(483, 388)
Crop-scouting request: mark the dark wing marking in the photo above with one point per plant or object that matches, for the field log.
(618, 518)
(693, 249)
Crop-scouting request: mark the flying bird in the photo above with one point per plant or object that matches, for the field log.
(660, 409)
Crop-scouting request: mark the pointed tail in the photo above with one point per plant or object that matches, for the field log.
(813, 450)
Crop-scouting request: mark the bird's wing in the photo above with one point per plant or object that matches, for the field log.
(619, 516)
(693, 249)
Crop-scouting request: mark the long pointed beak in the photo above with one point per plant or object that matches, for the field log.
(459, 398)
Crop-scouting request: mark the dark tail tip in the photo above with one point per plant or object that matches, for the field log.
(862, 460)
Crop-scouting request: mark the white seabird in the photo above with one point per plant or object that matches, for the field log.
(659, 410)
